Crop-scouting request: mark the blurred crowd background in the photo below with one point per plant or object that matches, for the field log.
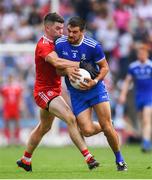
(120, 25)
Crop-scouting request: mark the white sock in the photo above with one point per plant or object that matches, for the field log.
(87, 157)
(27, 159)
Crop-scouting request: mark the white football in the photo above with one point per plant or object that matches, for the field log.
(84, 74)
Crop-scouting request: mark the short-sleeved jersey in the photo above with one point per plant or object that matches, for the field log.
(142, 77)
(11, 95)
(88, 50)
(46, 76)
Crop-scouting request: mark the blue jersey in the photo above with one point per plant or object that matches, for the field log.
(142, 77)
(90, 51)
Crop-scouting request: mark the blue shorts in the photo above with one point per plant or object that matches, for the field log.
(80, 104)
(143, 102)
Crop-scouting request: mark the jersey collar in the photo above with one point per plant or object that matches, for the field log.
(44, 37)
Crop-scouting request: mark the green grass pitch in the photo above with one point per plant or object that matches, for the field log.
(68, 163)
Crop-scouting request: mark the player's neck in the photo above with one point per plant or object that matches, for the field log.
(81, 39)
(143, 61)
(48, 37)
(79, 42)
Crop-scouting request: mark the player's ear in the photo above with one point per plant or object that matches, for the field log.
(47, 27)
(82, 31)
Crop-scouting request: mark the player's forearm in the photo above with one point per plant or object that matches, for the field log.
(64, 63)
(125, 88)
(60, 63)
(103, 73)
(104, 69)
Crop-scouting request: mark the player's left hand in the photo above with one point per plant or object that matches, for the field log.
(87, 84)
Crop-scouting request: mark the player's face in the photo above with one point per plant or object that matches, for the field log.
(142, 55)
(55, 30)
(74, 34)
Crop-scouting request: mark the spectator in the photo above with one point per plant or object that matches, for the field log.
(141, 31)
(34, 17)
(121, 17)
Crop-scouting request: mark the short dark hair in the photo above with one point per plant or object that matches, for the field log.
(53, 17)
(77, 21)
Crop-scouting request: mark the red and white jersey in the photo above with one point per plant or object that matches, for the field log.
(46, 76)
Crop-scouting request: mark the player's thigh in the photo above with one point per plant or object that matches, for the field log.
(59, 108)
(103, 112)
(84, 119)
(46, 119)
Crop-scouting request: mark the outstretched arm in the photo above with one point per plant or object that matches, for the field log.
(60, 63)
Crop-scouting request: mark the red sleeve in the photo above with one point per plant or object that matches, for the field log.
(45, 49)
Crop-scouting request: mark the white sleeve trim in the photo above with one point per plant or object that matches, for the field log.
(101, 59)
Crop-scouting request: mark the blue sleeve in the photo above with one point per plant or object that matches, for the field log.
(98, 53)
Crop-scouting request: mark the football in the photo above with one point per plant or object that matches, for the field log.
(84, 74)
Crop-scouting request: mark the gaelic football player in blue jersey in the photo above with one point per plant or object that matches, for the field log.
(77, 47)
(140, 72)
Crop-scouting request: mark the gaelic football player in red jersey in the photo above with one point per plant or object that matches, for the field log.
(47, 93)
(11, 93)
